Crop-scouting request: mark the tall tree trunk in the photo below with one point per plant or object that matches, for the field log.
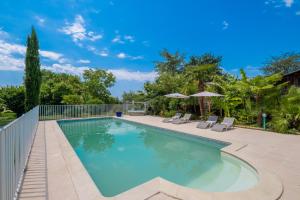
(201, 99)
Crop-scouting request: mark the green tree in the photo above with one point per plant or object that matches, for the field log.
(202, 69)
(133, 96)
(32, 72)
(286, 118)
(57, 85)
(285, 63)
(172, 63)
(13, 98)
(96, 83)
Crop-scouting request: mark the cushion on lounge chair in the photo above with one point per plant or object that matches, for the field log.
(225, 125)
(219, 127)
(203, 125)
(185, 119)
(168, 120)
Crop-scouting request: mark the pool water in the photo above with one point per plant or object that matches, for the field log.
(120, 155)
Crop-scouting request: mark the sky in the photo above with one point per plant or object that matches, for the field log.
(126, 36)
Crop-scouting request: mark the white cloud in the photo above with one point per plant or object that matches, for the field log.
(122, 39)
(40, 20)
(67, 68)
(298, 13)
(104, 52)
(3, 34)
(78, 31)
(146, 43)
(124, 74)
(225, 25)
(51, 55)
(288, 3)
(121, 55)
(129, 38)
(120, 74)
(11, 63)
(117, 39)
(137, 57)
(82, 61)
(12, 56)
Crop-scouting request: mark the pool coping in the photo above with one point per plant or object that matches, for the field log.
(269, 186)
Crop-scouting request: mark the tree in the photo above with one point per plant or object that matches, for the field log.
(32, 72)
(172, 63)
(284, 63)
(96, 83)
(57, 85)
(202, 69)
(138, 96)
(13, 98)
(286, 118)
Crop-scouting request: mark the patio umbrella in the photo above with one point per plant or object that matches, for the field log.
(207, 94)
(177, 96)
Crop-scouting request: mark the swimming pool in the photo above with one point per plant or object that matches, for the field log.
(120, 155)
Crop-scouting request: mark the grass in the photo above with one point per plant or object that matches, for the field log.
(6, 117)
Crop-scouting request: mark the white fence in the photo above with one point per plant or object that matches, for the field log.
(54, 112)
(16, 140)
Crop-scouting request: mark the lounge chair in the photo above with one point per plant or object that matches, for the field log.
(185, 119)
(169, 120)
(212, 120)
(225, 125)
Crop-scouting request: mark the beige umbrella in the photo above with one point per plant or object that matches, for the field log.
(207, 94)
(177, 96)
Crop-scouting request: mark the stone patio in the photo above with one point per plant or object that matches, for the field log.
(54, 164)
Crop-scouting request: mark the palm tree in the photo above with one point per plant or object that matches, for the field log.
(202, 69)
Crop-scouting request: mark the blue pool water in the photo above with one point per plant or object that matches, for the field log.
(120, 155)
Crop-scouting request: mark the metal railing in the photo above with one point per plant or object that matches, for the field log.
(16, 140)
(55, 112)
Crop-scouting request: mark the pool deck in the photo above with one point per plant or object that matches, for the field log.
(55, 172)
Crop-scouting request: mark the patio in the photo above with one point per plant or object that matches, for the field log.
(62, 175)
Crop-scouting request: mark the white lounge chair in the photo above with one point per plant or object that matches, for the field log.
(185, 119)
(212, 120)
(225, 125)
(175, 117)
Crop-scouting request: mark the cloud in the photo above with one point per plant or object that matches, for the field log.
(104, 52)
(122, 39)
(3, 34)
(11, 63)
(82, 61)
(52, 55)
(298, 13)
(12, 56)
(288, 3)
(146, 43)
(66, 68)
(121, 55)
(40, 20)
(78, 31)
(279, 3)
(124, 74)
(225, 25)
(117, 39)
(129, 38)
(136, 57)
(120, 74)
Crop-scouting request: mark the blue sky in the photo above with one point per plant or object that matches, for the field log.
(125, 36)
